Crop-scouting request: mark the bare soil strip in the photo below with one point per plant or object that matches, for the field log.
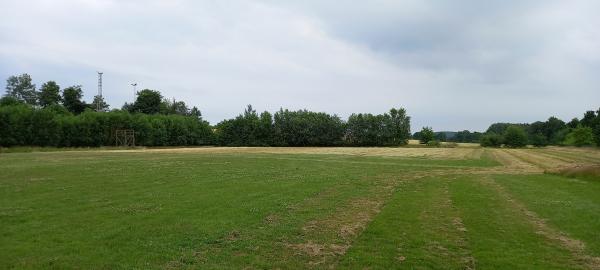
(576, 247)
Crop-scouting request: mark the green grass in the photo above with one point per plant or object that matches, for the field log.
(569, 204)
(155, 210)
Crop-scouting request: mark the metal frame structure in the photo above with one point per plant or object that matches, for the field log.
(125, 137)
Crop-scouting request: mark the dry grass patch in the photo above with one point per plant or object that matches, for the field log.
(434, 153)
(591, 171)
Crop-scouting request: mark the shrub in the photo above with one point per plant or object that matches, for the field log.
(491, 140)
(434, 143)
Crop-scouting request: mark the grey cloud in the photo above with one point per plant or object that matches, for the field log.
(452, 64)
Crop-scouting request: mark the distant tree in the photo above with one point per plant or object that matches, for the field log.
(21, 88)
(399, 123)
(553, 130)
(466, 136)
(498, 128)
(195, 112)
(49, 94)
(72, 99)
(588, 119)
(427, 135)
(265, 129)
(147, 101)
(491, 140)
(573, 123)
(416, 136)
(9, 101)
(99, 100)
(538, 140)
(440, 136)
(580, 136)
(515, 136)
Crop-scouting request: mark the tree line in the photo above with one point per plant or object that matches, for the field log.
(60, 117)
(306, 128)
(577, 132)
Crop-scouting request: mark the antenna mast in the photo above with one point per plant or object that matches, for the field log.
(98, 105)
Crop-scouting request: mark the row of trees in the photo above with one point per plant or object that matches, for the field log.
(464, 136)
(60, 117)
(306, 128)
(584, 132)
(20, 89)
(26, 125)
(55, 117)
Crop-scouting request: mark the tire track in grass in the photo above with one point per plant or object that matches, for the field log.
(325, 240)
(557, 237)
(498, 236)
(418, 228)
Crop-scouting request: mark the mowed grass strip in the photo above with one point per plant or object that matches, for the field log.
(501, 236)
(571, 205)
(417, 229)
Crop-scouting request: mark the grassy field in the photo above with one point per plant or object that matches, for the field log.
(289, 208)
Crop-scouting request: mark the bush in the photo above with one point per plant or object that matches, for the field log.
(491, 140)
(434, 143)
(515, 136)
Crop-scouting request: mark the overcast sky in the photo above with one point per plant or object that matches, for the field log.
(453, 65)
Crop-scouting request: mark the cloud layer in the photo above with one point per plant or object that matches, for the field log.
(453, 65)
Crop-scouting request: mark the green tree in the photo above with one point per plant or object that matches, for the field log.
(573, 123)
(580, 136)
(148, 102)
(21, 88)
(554, 130)
(515, 136)
(99, 103)
(427, 135)
(49, 94)
(72, 99)
(538, 140)
(9, 101)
